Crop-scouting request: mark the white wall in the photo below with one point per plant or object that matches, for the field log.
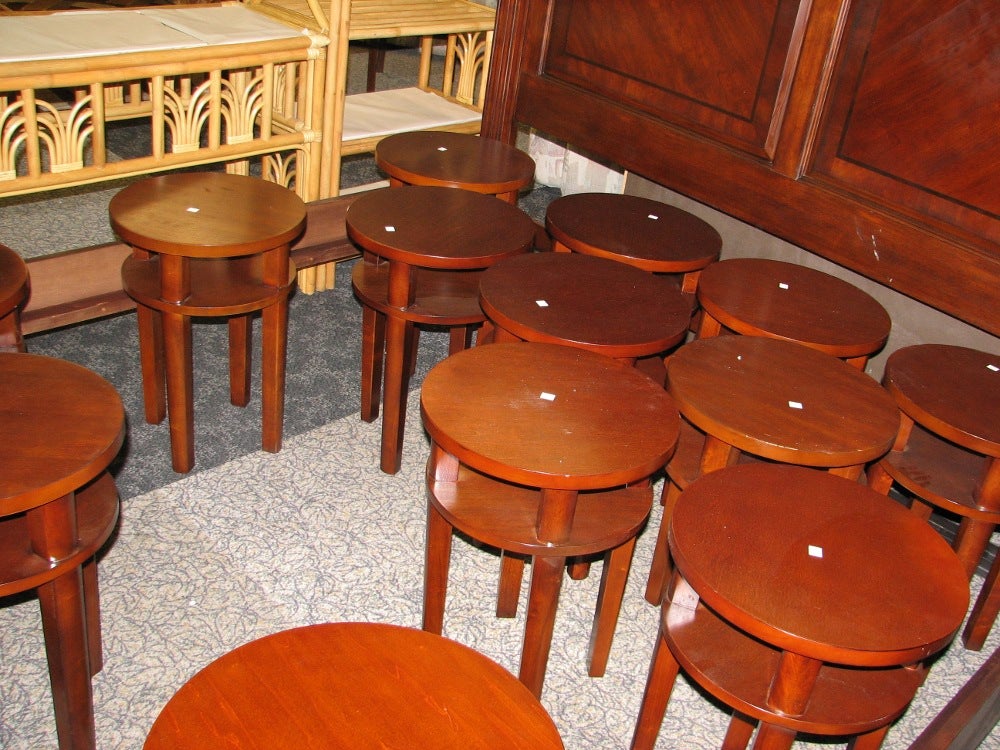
(912, 322)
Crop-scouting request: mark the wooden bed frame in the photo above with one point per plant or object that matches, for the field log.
(864, 131)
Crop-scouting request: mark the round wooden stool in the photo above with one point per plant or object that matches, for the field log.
(805, 622)
(208, 244)
(590, 303)
(747, 396)
(353, 685)
(456, 160)
(424, 250)
(58, 506)
(14, 284)
(545, 451)
(644, 233)
(761, 297)
(947, 454)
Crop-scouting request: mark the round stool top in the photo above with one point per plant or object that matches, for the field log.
(62, 425)
(782, 300)
(549, 416)
(457, 160)
(952, 390)
(782, 401)
(812, 564)
(642, 232)
(13, 280)
(597, 304)
(353, 685)
(438, 227)
(207, 215)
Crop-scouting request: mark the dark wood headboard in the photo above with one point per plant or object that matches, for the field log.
(865, 131)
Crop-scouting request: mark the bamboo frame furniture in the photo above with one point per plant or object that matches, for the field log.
(215, 83)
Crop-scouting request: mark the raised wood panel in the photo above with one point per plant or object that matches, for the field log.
(716, 66)
(914, 117)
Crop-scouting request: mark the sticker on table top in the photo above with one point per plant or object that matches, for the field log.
(390, 229)
(546, 396)
(782, 285)
(994, 368)
(442, 148)
(815, 551)
(794, 404)
(541, 303)
(654, 217)
(192, 209)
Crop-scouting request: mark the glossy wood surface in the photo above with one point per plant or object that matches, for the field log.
(782, 401)
(798, 542)
(207, 215)
(458, 160)
(645, 233)
(14, 286)
(592, 303)
(809, 120)
(358, 685)
(763, 297)
(572, 419)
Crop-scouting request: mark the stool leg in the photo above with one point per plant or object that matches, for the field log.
(372, 352)
(154, 396)
(971, 542)
(984, 611)
(436, 564)
(240, 332)
(52, 528)
(869, 740)
(11, 339)
(511, 573)
(609, 602)
(274, 325)
(460, 339)
(92, 605)
(771, 737)
(663, 670)
(659, 569)
(398, 343)
(180, 389)
(543, 598)
(739, 732)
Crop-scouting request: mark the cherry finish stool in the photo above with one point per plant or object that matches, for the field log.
(761, 297)
(817, 618)
(208, 245)
(424, 251)
(748, 396)
(353, 685)
(542, 450)
(62, 426)
(14, 284)
(644, 233)
(947, 454)
(455, 160)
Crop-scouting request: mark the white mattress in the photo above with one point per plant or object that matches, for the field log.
(74, 34)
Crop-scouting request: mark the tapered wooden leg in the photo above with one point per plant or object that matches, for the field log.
(397, 338)
(154, 397)
(274, 338)
(771, 737)
(971, 542)
(11, 339)
(869, 740)
(180, 389)
(92, 606)
(240, 331)
(663, 671)
(509, 590)
(659, 569)
(436, 564)
(372, 354)
(460, 339)
(739, 732)
(609, 601)
(984, 611)
(546, 580)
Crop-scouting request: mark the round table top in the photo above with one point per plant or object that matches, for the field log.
(818, 565)
(782, 401)
(787, 301)
(462, 160)
(952, 390)
(356, 685)
(62, 426)
(13, 280)
(207, 214)
(593, 303)
(549, 416)
(648, 234)
(438, 227)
